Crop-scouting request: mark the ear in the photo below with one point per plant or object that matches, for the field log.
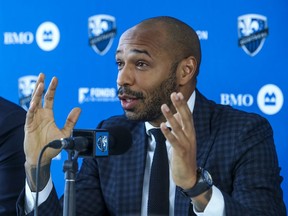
(188, 67)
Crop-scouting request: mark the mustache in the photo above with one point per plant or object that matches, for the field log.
(126, 90)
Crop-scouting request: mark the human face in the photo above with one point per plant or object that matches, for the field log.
(146, 74)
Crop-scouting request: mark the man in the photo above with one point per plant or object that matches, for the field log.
(12, 158)
(158, 63)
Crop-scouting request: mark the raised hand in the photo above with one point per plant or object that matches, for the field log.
(183, 140)
(40, 128)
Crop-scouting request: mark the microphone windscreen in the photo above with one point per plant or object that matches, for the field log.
(80, 143)
(120, 140)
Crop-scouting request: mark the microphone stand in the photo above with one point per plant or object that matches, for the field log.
(70, 168)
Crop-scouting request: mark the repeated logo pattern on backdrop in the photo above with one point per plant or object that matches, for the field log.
(252, 31)
(101, 30)
(243, 63)
(47, 37)
(269, 99)
(26, 85)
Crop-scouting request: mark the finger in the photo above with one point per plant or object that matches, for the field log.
(30, 114)
(176, 136)
(170, 136)
(37, 97)
(35, 103)
(40, 79)
(50, 93)
(71, 121)
(175, 125)
(183, 115)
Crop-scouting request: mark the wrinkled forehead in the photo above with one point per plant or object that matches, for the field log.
(152, 39)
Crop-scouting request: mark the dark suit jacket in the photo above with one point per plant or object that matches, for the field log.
(237, 148)
(12, 174)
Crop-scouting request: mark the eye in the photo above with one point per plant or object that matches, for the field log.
(119, 64)
(141, 65)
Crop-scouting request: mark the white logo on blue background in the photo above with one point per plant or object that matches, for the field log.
(102, 143)
(270, 99)
(47, 36)
(86, 95)
(18, 38)
(101, 32)
(26, 85)
(252, 31)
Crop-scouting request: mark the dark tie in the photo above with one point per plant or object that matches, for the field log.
(158, 200)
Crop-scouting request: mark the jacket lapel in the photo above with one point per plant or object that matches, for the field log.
(131, 167)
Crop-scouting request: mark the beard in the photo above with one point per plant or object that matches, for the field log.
(149, 108)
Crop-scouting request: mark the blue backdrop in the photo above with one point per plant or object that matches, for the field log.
(243, 45)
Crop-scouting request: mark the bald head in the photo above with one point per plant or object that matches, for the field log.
(180, 39)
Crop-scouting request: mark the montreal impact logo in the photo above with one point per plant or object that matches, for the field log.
(102, 143)
(252, 31)
(101, 32)
(26, 85)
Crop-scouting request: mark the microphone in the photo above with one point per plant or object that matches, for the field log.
(74, 143)
(96, 142)
(120, 139)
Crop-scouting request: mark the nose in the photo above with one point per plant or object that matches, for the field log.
(125, 76)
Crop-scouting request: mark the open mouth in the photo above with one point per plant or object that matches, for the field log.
(128, 102)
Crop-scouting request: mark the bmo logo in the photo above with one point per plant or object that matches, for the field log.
(47, 37)
(245, 100)
(270, 99)
(11, 38)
